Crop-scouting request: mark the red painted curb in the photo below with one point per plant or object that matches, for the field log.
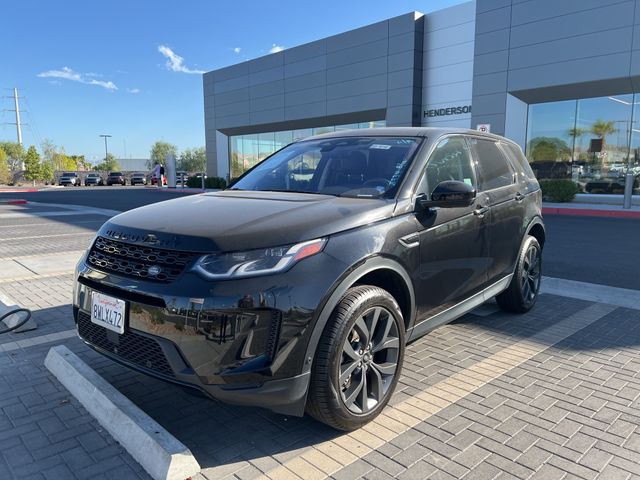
(590, 212)
(19, 190)
(14, 201)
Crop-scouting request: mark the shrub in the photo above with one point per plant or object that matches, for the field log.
(209, 182)
(559, 190)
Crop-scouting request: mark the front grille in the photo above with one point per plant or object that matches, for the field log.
(132, 347)
(137, 261)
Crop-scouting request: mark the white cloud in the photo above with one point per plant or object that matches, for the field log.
(133, 90)
(67, 74)
(175, 62)
(276, 48)
(237, 50)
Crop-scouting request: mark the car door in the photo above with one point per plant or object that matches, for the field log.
(497, 182)
(453, 243)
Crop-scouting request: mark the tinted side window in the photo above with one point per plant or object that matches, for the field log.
(450, 160)
(494, 170)
(519, 160)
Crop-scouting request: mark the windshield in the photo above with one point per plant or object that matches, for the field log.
(115, 174)
(69, 174)
(349, 166)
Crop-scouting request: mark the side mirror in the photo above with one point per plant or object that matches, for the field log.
(448, 194)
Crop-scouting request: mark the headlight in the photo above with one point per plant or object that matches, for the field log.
(257, 262)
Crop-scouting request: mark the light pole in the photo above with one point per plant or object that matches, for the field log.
(105, 145)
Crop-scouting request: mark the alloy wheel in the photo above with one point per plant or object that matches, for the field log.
(369, 360)
(530, 280)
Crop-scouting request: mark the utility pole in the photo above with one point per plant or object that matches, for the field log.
(105, 146)
(17, 105)
(16, 110)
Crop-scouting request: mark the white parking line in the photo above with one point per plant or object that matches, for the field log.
(47, 236)
(591, 292)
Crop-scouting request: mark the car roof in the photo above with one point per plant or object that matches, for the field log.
(432, 132)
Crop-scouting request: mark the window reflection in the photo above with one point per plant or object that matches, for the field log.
(592, 141)
(245, 151)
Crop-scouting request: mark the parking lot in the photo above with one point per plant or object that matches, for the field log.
(550, 394)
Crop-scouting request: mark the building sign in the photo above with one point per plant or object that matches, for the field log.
(444, 112)
(484, 127)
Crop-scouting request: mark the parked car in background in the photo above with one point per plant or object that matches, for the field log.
(93, 179)
(138, 178)
(69, 178)
(181, 178)
(154, 180)
(116, 178)
(304, 291)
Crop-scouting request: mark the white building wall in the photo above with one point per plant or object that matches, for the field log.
(447, 78)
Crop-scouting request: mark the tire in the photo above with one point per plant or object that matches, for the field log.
(522, 293)
(337, 403)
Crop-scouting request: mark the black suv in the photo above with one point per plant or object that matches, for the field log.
(298, 287)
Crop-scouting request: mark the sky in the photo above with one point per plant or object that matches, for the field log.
(133, 69)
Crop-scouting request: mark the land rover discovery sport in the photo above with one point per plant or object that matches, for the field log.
(298, 288)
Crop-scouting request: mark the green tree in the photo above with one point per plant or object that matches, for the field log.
(159, 152)
(549, 149)
(193, 160)
(15, 154)
(601, 129)
(48, 149)
(109, 164)
(4, 168)
(32, 165)
(46, 171)
(81, 163)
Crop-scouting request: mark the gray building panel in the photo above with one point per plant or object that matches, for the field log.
(444, 74)
(301, 82)
(266, 89)
(306, 51)
(370, 73)
(533, 11)
(309, 65)
(492, 20)
(359, 36)
(374, 49)
(354, 71)
(573, 48)
(581, 23)
(267, 62)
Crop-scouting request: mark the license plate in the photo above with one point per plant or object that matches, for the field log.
(108, 312)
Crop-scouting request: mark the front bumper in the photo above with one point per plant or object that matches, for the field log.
(240, 341)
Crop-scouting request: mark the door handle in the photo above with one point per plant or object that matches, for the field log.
(480, 211)
(519, 197)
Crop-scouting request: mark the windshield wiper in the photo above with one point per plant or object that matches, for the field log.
(294, 191)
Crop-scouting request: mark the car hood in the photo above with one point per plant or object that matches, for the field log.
(232, 221)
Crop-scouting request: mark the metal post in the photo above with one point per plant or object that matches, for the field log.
(628, 189)
(106, 152)
(202, 178)
(17, 105)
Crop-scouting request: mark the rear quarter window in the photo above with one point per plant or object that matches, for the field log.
(519, 160)
(494, 170)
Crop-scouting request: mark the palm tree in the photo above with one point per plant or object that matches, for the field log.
(601, 129)
(576, 133)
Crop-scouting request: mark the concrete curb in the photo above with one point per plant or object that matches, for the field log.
(590, 212)
(160, 453)
(13, 201)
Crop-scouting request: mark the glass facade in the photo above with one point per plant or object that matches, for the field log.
(245, 151)
(592, 141)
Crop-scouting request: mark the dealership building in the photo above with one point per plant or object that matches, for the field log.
(558, 77)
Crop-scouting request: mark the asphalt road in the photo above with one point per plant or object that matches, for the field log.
(589, 249)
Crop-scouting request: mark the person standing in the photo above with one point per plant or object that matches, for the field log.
(156, 174)
(161, 175)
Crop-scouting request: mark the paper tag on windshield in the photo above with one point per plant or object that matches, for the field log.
(380, 147)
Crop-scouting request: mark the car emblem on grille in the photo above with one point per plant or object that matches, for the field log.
(151, 239)
(154, 270)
